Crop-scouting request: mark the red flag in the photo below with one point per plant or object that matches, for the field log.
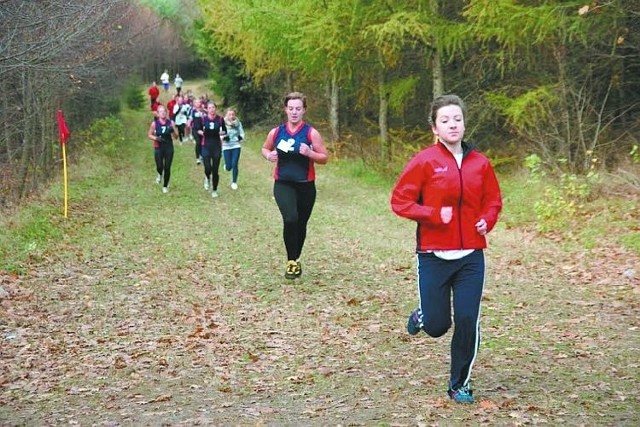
(62, 128)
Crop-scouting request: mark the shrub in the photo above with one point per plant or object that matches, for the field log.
(562, 203)
(533, 163)
(103, 135)
(134, 97)
(635, 153)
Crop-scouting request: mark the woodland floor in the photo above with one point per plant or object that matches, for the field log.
(172, 309)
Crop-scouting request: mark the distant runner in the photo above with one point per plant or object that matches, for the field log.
(161, 132)
(164, 79)
(213, 129)
(231, 145)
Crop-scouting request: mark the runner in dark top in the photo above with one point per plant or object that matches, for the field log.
(213, 130)
(161, 132)
(294, 147)
(195, 123)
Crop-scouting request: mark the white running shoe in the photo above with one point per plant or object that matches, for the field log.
(234, 186)
(206, 183)
(165, 190)
(214, 194)
(198, 161)
(158, 178)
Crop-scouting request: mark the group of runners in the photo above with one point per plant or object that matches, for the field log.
(449, 189)
(196, 120)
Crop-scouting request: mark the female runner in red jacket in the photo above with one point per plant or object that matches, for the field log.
(452, 193)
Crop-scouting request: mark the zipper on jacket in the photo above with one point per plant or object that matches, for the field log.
(466, 149)
(464, 153)
(460, 202)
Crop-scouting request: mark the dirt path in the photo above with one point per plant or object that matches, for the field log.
(172, 309)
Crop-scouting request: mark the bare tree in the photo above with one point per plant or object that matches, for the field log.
(60, 54)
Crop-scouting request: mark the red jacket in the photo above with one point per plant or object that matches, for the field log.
(154, 108)
(432, 180)
(154, 92)
(170, 106)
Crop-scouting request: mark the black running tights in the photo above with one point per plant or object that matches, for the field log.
(211, 159)
(164, 157)
(181, 134)
(295, 201)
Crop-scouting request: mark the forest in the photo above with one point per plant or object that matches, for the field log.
(552, 86)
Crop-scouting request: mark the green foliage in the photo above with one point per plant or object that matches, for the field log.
(256, 33)
(327, 38)
(400, 91)
(528, 56)
(394, 33)
(237, 89)
(526, 110)
(533, 163)
(635, 153)
(323, 41)
(519, 194)
(518, 29)
(104, 135)
(164, 8)
(500, 162)
(561, 204)
(134, 97)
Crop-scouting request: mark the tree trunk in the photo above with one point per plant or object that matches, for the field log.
(437, 74)
(47, 137)
(6, 131)
(289, 82)
(565, 148)
(383, 117)
(27, 140)
(333, 109)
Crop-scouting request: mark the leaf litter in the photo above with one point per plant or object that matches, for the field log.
(214, 336)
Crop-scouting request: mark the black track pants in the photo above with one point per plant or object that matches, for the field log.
(295, 201)
(438, 279)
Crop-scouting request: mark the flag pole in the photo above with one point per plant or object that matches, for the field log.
(64, 172)
(64, 136)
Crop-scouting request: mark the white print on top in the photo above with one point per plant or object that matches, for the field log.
(441, 169)
(286, 146)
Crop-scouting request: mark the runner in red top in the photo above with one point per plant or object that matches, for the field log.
(451, 191)
(154, 108)
(154, 93)
(172, 102)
